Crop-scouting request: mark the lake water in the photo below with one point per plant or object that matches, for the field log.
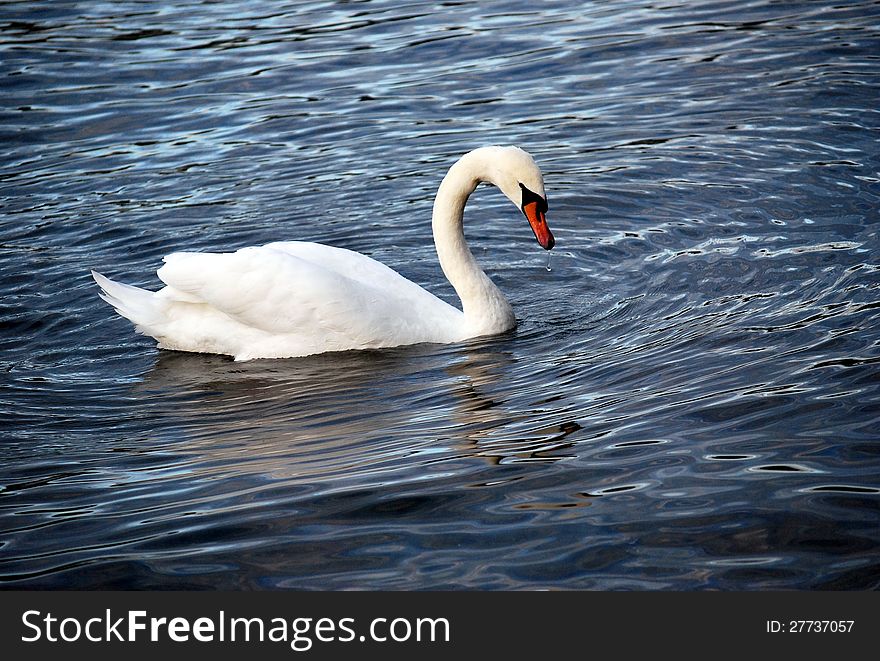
(692, 397)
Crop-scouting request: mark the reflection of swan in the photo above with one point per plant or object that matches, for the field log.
(345, 421)
(335, 421)
(294, 298)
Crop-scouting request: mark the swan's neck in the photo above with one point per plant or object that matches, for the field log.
(486, 310)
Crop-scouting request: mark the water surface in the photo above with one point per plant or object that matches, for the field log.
(689, 402)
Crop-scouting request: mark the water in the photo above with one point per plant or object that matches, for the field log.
(690, 400)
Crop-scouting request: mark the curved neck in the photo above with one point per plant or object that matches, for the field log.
(485, 308)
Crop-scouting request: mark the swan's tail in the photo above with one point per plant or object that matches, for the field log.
(137, 305)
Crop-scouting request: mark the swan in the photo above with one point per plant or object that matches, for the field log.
(295, 298)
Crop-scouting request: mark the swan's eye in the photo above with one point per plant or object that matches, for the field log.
(528, 197)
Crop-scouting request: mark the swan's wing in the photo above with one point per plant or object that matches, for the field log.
(264, 288)
(352, 265)
(347, 301)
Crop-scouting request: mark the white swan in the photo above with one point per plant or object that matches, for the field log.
(294, 298)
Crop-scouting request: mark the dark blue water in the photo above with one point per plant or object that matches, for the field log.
(692, 397)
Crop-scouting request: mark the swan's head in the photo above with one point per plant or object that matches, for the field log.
(517, 175)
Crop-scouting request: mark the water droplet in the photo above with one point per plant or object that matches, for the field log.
(549, 254)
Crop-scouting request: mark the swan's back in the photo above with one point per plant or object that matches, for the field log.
(281, 300)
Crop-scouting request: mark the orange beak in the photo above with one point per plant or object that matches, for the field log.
(539, 225)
